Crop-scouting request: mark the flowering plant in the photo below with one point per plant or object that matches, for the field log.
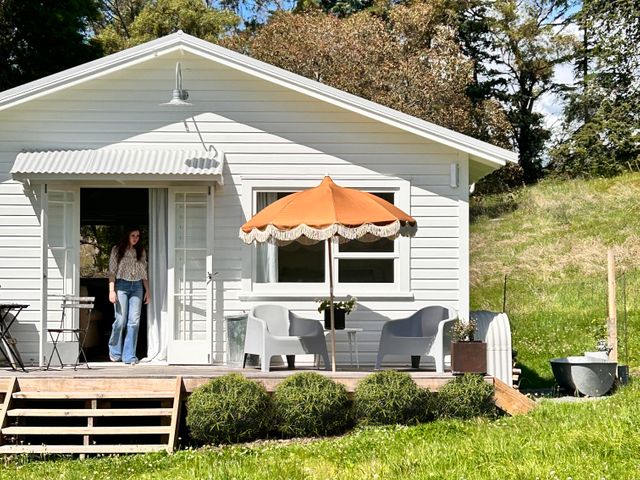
(348, 305)
(463, 331)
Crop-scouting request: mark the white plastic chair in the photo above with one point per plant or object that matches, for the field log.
(426, 332)
(274, 330)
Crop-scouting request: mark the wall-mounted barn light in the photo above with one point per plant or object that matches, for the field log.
(180, 95)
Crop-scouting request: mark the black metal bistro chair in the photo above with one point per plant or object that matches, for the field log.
(69, 305)
(8, 345)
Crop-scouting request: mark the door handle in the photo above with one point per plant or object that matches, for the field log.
(210, 276)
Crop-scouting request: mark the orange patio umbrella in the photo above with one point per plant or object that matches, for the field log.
(325, 212)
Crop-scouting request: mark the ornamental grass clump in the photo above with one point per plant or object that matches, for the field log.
(389, 398)
(467, 396)
(229, 409)
(309, 404)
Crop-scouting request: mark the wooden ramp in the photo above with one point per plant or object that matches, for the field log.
(510, 400)
(90, 415)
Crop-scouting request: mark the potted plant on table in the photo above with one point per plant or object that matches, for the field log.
(467, 354)
(341, 309)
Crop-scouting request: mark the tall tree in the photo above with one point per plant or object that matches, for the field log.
(530, 38)
(408, 59)
(602, 115)
(41, 37)
(162, 17)
(340, 8)
(119, 15)
(253, 13)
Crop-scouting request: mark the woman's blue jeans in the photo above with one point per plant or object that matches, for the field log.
(127, 323)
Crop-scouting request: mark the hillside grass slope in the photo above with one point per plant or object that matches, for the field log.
(551, 242)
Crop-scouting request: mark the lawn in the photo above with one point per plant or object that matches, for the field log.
(551, 241)
(588, 440)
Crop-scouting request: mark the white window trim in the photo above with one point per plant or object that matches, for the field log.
(400, 289)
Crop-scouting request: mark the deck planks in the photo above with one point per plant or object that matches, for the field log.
(90, 412)
(82, 395)
(80, 449)
(147, 408)
(89, 430)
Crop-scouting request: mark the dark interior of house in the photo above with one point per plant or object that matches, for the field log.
(104, 213)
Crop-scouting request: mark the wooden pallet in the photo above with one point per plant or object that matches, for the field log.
(90, 415)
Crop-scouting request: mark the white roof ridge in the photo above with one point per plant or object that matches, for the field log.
(480, 150)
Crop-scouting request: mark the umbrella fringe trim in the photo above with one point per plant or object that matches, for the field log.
(364, 232)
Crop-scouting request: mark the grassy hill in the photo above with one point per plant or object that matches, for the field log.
(551, 241)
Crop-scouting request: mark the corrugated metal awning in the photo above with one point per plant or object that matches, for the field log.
(119, 164)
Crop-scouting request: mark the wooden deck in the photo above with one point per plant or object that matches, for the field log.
(111, 374)
(88, 408)
(193, 376)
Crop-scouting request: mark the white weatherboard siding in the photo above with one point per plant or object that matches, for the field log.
(264, 130)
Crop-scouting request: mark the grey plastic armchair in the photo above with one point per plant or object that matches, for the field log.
(274, 330)
(426, 332)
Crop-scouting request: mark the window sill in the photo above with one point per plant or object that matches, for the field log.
(272, 296)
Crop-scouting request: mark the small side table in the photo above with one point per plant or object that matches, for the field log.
(352, 336)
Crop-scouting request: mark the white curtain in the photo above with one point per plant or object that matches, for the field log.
(158, 254)
(267, 256)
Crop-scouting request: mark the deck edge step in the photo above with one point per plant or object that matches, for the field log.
(133, 395)
(90, 412)
(69, 449)
(49, 430)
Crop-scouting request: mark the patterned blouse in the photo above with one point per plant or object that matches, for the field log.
(129, 268)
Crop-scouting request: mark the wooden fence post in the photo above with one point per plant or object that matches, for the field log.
(612, 321)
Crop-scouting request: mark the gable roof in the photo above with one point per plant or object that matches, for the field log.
(489, 155)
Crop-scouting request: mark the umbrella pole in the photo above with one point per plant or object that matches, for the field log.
(333, 324)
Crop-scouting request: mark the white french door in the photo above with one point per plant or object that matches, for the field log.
(190, 298)
(60, 263)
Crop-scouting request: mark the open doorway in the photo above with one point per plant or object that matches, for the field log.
(104, 213)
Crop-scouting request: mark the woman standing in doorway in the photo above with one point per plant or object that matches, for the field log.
(128, 288)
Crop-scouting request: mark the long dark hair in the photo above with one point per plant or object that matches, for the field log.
(123, 244)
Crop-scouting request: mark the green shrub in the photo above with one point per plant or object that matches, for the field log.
(467, 396)
(229, 409)
(309, 404)
(389, 397)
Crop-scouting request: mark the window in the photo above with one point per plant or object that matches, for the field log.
(364, 269)
(368, 262)
(294, 263)
(357, 262)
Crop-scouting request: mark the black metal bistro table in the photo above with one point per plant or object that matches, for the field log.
(8, 314)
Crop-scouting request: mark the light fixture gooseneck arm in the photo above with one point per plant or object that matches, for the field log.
(178, 76)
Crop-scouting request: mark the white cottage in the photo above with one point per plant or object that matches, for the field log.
(97, 144)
